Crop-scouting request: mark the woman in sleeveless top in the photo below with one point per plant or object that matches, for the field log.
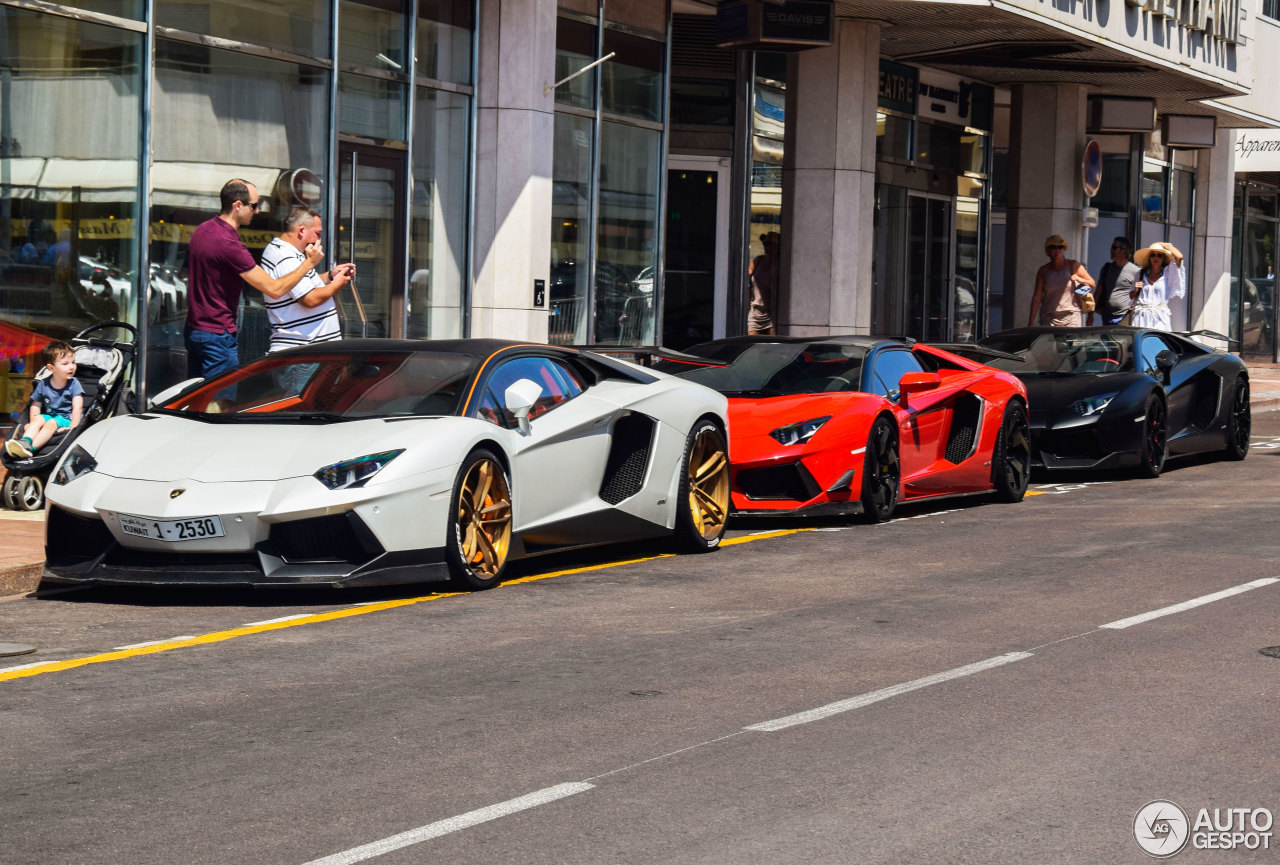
(1054, 302)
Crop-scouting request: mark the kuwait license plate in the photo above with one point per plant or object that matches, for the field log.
(193, 529)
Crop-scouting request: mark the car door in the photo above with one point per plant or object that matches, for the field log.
(1177, 389)
(556, 469)
(921, 422)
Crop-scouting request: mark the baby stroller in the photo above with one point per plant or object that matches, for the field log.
(102, 367)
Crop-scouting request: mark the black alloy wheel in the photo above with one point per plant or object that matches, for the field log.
(1239, 423)
(1155, 446)
(1011, 462)
(881, 473)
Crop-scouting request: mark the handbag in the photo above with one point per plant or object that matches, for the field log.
(1086, 302)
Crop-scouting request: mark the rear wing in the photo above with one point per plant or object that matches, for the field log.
(973, 351)
(1232, 344)
(649, 355)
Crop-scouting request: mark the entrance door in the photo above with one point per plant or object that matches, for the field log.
(371, 231)
(694, 282)
(930, 267)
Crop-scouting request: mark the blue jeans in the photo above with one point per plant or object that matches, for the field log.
(209, 354)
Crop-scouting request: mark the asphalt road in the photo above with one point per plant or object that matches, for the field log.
(963, 684)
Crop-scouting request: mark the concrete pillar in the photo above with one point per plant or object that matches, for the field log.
(1210, 290)
(1046, 145)
(828, 184)
(514, 145)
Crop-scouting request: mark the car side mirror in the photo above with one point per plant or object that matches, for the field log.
(1166, 360)
(917, 382)
(520, 398)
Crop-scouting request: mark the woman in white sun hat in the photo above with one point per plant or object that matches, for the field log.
(1160, 281)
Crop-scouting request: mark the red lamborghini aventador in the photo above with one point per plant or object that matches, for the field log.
(849, 423)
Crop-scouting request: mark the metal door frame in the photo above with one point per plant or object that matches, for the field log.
(396, 160)
(721, 167)
(950, 275)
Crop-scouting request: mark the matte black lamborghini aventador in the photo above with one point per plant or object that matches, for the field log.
(1113, 397)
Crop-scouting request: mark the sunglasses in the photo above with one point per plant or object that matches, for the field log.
(1055, 246)
(252, 205)
(1125, 248)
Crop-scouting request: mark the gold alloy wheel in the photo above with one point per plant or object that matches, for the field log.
(708, 483)
(484, 519)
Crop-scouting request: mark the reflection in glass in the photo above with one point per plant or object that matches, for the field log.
(300, 26)
(633, 79)
(444, 40)
(438, 235)
(69, 109)
(570, 232)
(371, 34)
(575, 49)
(893, 136)
(888, 268)
(1153, 203)
(968, 254)
(367, 236)
(689, 271)
(627, 255)
(371, 107)
(1258, 295)
(220, 115)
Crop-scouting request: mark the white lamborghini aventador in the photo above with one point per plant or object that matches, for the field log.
(381, 461)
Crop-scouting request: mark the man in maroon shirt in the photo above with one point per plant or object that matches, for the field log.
(218, 266)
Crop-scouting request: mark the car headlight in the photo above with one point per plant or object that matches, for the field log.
(1092, 405)
(799, 433)
(350, 474)
(78, 462)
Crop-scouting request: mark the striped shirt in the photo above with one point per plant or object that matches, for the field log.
(292, 323)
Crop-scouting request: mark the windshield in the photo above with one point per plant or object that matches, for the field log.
(775, 368)
(1063, 352)
(332, 387)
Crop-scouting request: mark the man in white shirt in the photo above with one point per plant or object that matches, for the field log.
(307, 313)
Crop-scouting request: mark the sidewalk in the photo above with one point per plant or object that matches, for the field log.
(22, 534)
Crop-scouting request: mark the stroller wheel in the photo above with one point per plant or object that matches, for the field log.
(10, 492)
(30, 494)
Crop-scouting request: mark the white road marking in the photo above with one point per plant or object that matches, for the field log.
(277, 621)
(150, 643)
(925, 516)
(885, 693)
(453, 824)
(1187, 605)
(26, 666)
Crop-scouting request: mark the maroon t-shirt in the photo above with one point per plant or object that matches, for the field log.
(215, 259)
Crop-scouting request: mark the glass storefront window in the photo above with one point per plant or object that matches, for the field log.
(626, 249)
(69, 137)
(371, 107)
(570, 230)
(438, 235)
(220, 115)
(1258, 294)
(444, 40)
(300, 26)
(1113, 191)
(1184, 184)
(702, 102)
(633, 80)
(950, 148)
(119, 8)
(1153, 199)
(575, 49)
(371, 34)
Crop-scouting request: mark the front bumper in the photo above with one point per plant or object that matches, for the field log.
(336, 550)
(1071, 442)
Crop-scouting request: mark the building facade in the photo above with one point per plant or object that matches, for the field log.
(609, 171)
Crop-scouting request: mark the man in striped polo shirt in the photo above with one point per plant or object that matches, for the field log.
(307, 313)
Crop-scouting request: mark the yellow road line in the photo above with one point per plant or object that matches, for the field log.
(39, 669)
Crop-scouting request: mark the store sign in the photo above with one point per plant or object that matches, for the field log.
(1218, 19)
(947, 97)
(753, 24)
(898, 87)
(1257, 150)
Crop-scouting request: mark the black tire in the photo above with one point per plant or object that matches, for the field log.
(478, 537)
(703, 503)
(881, 472)
(1155, 446)
(10, 492)
(1239, 422)
(1011, 459)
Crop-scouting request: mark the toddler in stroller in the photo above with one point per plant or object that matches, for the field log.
(39, 440)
